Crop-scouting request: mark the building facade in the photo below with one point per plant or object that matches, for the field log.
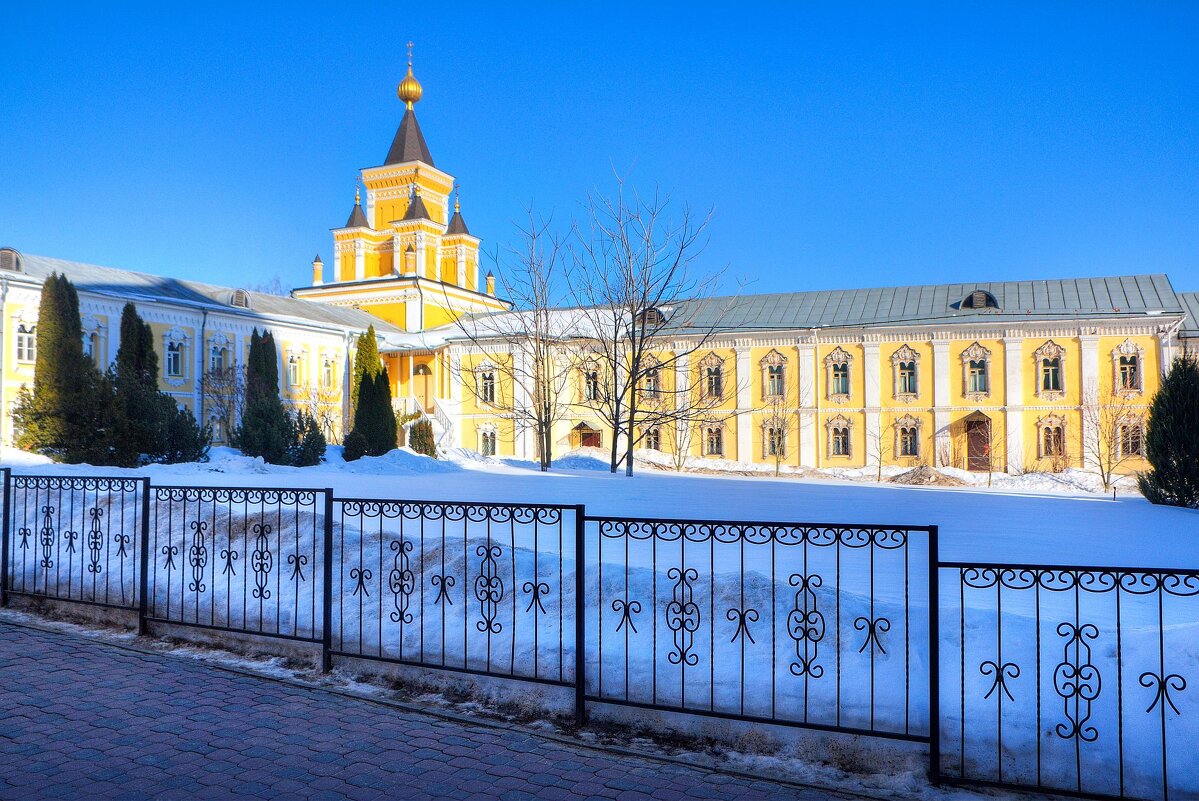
(996, 376)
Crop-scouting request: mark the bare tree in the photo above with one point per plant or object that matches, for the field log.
(632, 275)
(880, 444)
(524, 371)
(1113, 431)
(323, 404)
(224, 394)
(781, 417)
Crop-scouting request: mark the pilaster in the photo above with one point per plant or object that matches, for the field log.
(1013, 361)
(805, 361)
(744, 418)
(941, 404)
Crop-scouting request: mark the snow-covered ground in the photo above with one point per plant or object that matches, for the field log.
(1036, 518)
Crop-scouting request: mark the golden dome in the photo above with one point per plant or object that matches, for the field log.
(409, 89)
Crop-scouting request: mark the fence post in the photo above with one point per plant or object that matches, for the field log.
(327, 600)
(580, 615)
(143, 601)
(5, 534)
(934, 658)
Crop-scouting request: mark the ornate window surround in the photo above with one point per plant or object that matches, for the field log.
(707, 363)
(646, 395)
(1049, 350)
(905, 422)
(485, 382)
(779, 426)
(831, 425)
(718, 428)
(1131, 420)
(482, 433)
(904, 353)
(1051, 421)
(1127, 349)
(976, 353)
(839, 356)
(773, 359)
(175, 336)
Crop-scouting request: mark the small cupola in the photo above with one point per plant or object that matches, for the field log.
(457, 225)
(416, 206)
(10, 259)
(357, 215)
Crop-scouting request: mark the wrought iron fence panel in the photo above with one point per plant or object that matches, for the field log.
(1070, 678)
(824, 626)
(75, 538)
(238, 559)
(474, 587)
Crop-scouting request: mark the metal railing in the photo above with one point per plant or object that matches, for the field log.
(1055, 677)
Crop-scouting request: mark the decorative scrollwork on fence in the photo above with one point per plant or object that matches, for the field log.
(1000, 675)
(197, 555)
(805, 625)
(170, 552)
(682, 616)
(1077, 681)
(743, 617)
(626, 609)
(873, 628)
(536, 590)
(753, 533)
(95, 539)
(24, 533)
(489, 588)
(1162, 686)
(401, 581)
(360, 575)
(297, 562)
(261, 560)
(228, 556)
(47, 536)
(443, 582)
(122, 541)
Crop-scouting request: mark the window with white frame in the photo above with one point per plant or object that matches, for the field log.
(591, 385)
(774, 440)
(328, 372)
(92, 349)
(294, 373)
(651, 383)
(487, 386)
(774, 375)
(907, 436)
(1127, 368)
(712, 373)
(653, 439)
(840, 442)
(1132, 438)
(976, 366)
(218, 358)
(174, 360)
(837, 365)
(487, 442)
(1049, 359)
(714, 441)
(1051, 437)
(26, 343)
(904, 366)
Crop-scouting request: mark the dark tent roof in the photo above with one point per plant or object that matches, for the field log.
(357, 218)
(457, 224)
(416, 209)
(409, 143)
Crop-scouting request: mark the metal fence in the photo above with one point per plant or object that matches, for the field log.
(1070, 678)
(791, 623)
(1063, 678)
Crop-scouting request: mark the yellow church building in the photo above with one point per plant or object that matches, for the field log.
(994, 376)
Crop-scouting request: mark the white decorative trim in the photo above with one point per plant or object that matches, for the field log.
(709, 362)
(830, 426)
(1049, 350)
(1054, 420)
(773, 359)
(904, 353)
(976, 353)
(1128, 349)
(838, 357)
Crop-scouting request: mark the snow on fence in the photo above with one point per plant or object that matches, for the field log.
(1062, 678)
(1070, 678)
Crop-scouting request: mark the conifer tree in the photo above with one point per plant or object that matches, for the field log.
(420, 438)
(1172, 438)
(68, 414)
(374, 432)
(366, 362)
(266, 430)
(135, 377)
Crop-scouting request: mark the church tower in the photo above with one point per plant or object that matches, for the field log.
(402, 255)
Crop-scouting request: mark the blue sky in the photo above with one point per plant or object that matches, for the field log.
(838, 145)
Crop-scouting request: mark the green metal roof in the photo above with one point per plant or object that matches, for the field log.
(1190, 304)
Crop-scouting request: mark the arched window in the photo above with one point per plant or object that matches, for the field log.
(487, 386)
(651, 386)
(906, 382)
(714, 441)
(1049, 359)
(1132, 438)
(240, 298)
(1130, 372)
(328, 371)
(1127, 368)
(591, 385)
(712, 371)
(976, 363)
(10, 260)
(26, 343)
(218, 357)
(293, 369)
(837, 364)
(487, 443)
(774, 374)
(909, 441)
(839, 440)
(174, 361)
(653, 439)
(774, 441)
(1051, 437)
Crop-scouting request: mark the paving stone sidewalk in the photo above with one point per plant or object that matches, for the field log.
(80, 719)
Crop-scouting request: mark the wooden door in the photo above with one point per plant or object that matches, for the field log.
(424, 380)
(978, 445)
(591, 439)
